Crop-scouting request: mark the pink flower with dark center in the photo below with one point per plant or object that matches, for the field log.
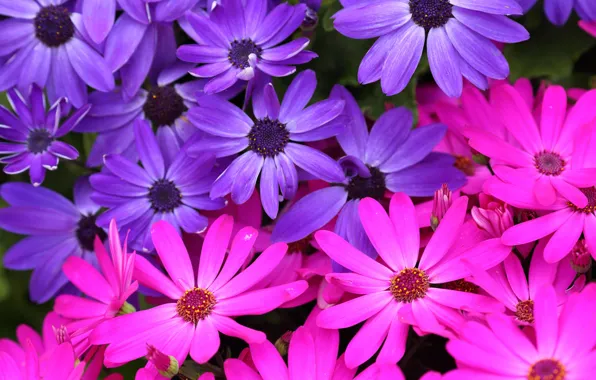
(403, 291)
(200, 307)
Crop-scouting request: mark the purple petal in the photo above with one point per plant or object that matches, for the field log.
(26, 9)
(48, 277)
(190, 220)
(287, 176)
(298, 95)
(211, 69)
(256, 11)
(170, 11)
(15, 34)
(128, 212)
(207, 30)
(217, 123)
(222, 82)
(275, 70)
(246, 178)
(19, 105)
(335, 127)
(73, 121)
(111, 103)
(557, 11)
(135, 71)
(309, 214)
(315, 162)
(123, 41)
(191, 172)
(474, 76)
(66, 81)
(28, 253)
(223, 184)
(265, 103)
(38, 105)
(316, 115)
(494, 27)
(371, 67)
(354, 140)
(220, 146)
(109, 184)
(279, 24)
(37, 68)
(82, 196)
(36, 220)
(387, 134)
(37, 172)
(204, 202)
(202, 54)
(498, 7)
(127, 171)
(63, 150)
(269, 188)
(286, 51)
(89, 65)
(304, 56)
(233, 14)
(444, 62)
(137, 9)
(98, 17)
(369, 20)
(9, 75)
(23, 194)
(12, 148)
(19, 164)
(148, 150)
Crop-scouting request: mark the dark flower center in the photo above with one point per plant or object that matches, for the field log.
(461, 286)
(39, 140)
(196, 304)
(373, 187)
(524, 311)
(549, 163)
(409, 284)
(53, 26)
(268, 137)
(465, 164)
(87, 230)
(430, 13)
(303, 246)
(164, 196)
(547, 369)
(240, 50)
(163, 106)
(590, 193)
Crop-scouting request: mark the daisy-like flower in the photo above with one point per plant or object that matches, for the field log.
(459, 39)
(563, 347)
(200, 307)
(546, 157)
(108, 290)
(33, 134)
(558, 11)
(398, 293)
(392, 157)
(169, 186)
(271, 142)
(239, 38)
(46, 44)
(57, 229)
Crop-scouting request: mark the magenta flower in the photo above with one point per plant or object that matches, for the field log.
(546, 159)
(563, 347)
(492, 216)
(200, 308)
(108, 290)
(399, 293)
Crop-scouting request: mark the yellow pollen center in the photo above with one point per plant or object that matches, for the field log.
(196, 304)
(409, 284)
(547, 369)
(524, 311)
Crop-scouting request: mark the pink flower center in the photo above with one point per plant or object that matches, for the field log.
(465, 165)
(549, 163)
(547, 369)
(524, 311)
(409, 284)
(461, 286)
(590, 193)
(196, 304)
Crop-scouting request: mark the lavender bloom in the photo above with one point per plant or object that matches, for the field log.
(138, 197)
(459, 39)
(270, 141)
(57, 229)
(391, 157)
(240, 37)
(33, 134)
(558, 11)
(47, 45)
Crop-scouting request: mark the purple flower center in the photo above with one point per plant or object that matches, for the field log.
(240, 50)
(53, 26)
(163, 106)
(39, 140)
(524, 311)
(430, 13)
(164, 196)
(590, 193)
(196, 304)
(87, 230)
(373, 186)
(409, 284)
(549, 163)
(547, 369)
(268, 137)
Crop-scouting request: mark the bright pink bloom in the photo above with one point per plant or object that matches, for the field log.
(588, 26)
(492, 216)
(563, 347)
(542, 159)
(200, 307)
(402, 286)
(108, 290)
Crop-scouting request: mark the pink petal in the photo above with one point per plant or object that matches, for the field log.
(590, 233)
(470, 355)
(105, 264)
(545, 321)
(230, 327)
(554, 110)
(581, 114)
(425, 318)
(259, 269)
(570, 192)
(577, 313)
(564, 239)
(260, 301)
(492, 286)
(214, 250)
(395, 344)
(464, 374)
(10, 369)
(74, 307)
(343, 253)
(354, 311)
(60, 362)
(241, 247)
(85, 277)
(382, 235)
(544, 191)
(464, 301)
(582, 177)
(445, 235)
(236, 370)
(357, 284)
(403, 216)
(173, 254)
(151, 277)
(341, 372)
(535, 229)
(511, 336)
(205, 341)
(516, 277)
(268, 361)
(301, 355)
(175, 342)
(51, 320)
(494, 147)
(26, 333)
(541, 273)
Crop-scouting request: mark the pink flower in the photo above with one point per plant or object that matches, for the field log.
(588, 26)
(563, 347)
(399, 293)
(544, 160)
(199, 309)
(492, 216)
(441, 203)
(108, 290)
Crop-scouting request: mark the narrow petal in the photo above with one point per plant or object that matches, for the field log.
(535, 229)
(268, 361)
(495, 27)
(402, 62)
(205, 342)
(246, 178)
(152, 278)
(173, 253)
(89, 65)
(354, 311)
(298, 95)
(148, 150)
(371, 20)
(315, 162)
(229, 327)
(87, 279)
(499, 7)
(98, 17)
(444, 62)
(403, 217)
(387, 135)
(214, 250)
(564, 239)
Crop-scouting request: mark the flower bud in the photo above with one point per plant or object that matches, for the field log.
(441, 203)
(493, 217)
(581, 261)
(167, 366)
(61, 334)
(283, 343)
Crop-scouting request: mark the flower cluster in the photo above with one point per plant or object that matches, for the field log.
(225, 211)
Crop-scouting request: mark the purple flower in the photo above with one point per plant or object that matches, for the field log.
(46, 44)
(137, 197)
(33, 134)
(391, 157)
(271, 141)
(240, 37)
(459, 39)
(58, 229)
(558, 11)
(133, 42)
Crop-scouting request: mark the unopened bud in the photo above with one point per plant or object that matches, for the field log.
(311, 19)
(61, 334)
(441, 203)
(581, 261)
(126, 309)
(283, 343)
(167, 366)
(494, 218)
